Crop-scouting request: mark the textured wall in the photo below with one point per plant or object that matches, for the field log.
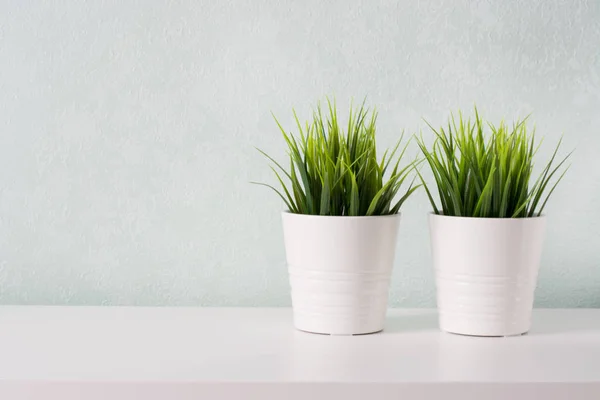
(127, 133)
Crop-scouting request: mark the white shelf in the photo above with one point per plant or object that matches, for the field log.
(215, 353)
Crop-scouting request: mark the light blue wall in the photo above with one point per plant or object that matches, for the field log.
(127, 133)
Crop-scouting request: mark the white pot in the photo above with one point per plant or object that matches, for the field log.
(486, 271)
(340, 269)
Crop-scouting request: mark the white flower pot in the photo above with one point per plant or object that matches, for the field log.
(486, 271)
(340, 269)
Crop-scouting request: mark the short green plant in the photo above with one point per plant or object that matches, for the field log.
(489, 174)
(337, 173)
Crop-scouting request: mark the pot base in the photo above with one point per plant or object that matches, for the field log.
(338, 334)
(483, 327)
(484, 336)
(330, 325)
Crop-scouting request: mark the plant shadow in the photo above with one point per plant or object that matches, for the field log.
(420, 322)
(561, 321)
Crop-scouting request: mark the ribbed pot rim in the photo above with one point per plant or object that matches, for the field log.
(499, 220)
(339, 217)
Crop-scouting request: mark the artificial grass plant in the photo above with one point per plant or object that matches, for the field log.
(489, 174)
(337, 173)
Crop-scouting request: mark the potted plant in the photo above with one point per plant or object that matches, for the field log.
(341, 222)
(487, 234)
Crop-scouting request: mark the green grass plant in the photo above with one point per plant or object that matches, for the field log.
(485, 170)
(337, 173)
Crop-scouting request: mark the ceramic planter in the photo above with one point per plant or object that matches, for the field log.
(486, 271)
(340, 269)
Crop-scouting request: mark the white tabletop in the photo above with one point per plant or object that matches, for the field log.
(246, 353)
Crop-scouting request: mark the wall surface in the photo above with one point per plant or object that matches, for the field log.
(127, 132)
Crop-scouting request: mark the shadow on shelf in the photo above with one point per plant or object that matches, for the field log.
(426, 321)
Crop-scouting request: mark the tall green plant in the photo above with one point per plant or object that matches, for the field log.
(337, 173)
(489, 174)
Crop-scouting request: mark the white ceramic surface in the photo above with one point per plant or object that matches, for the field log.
(340, 270)
(486, 271)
